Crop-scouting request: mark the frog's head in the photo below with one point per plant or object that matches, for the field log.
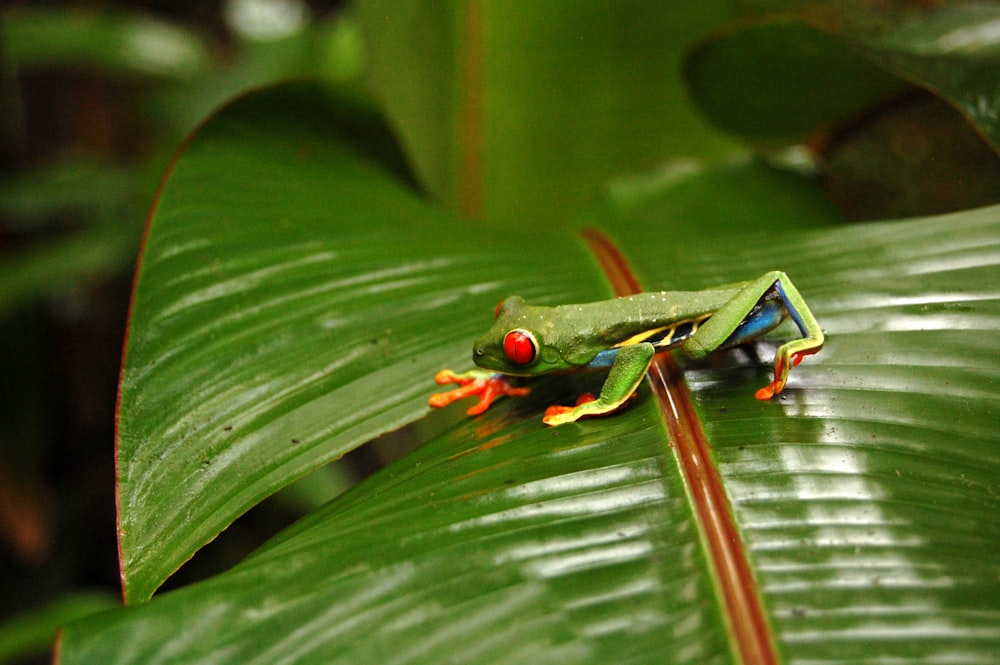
(523, 341)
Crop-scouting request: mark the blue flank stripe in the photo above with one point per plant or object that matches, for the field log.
(604, 359)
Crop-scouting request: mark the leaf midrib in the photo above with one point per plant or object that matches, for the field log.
(742, 606)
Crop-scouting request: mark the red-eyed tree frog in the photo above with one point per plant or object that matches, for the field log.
(624, 334)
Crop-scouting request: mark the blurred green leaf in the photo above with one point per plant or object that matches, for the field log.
(805, 74)
(193, 80)
(122, 42)
(954, 51)
(686, 201)
(34, 632)
(70, 186)
(525, 109)
(97, 252)
(781, 81)
(327, 49)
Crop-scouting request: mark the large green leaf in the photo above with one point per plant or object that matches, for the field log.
(502, 541)
(277, 326)
(290, 290)
(868, 503)
(295, 296)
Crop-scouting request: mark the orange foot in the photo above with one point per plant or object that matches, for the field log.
(780, 376)
(558, 409)
(487, 386)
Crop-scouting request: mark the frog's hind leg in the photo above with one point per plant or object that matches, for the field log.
(756, 309)
(630, 365)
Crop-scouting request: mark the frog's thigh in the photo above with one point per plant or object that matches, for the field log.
(626, 373)
(631, 363)
(719, 328)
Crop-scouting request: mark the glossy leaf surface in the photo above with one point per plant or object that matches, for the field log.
(866, 495)
(503, 541)
(278, 325)
(291, 288)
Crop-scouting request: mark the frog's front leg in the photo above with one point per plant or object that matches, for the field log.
(758, 308)
(487, 384)
(630, 366)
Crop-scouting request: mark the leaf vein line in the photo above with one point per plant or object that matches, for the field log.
(749, 628)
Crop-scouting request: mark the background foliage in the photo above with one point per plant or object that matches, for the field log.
(533, 122)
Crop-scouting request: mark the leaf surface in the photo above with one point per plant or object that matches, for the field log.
(502, 541)
(291, 288)
(294, 300)
(865, 495)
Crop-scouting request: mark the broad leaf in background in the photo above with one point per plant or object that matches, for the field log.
(954, 51)
(32, 633)
(96, 195)
(295, 298)
(741, 76)
(867, 493)
(61, 264)
(524, 109)
(951, 49)
(122, 43)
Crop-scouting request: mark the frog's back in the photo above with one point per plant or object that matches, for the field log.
(618, 321)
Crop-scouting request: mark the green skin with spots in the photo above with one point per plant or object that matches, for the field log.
(625, 333)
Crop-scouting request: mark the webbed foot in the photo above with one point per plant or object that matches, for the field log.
(487, 385)
(560, 415)
(781, 369)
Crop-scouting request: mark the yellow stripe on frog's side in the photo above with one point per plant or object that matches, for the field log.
(665, 337)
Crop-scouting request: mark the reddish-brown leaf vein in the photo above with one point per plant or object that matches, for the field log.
(743, 609)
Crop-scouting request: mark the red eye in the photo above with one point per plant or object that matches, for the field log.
(519, 346)
(496, 312)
